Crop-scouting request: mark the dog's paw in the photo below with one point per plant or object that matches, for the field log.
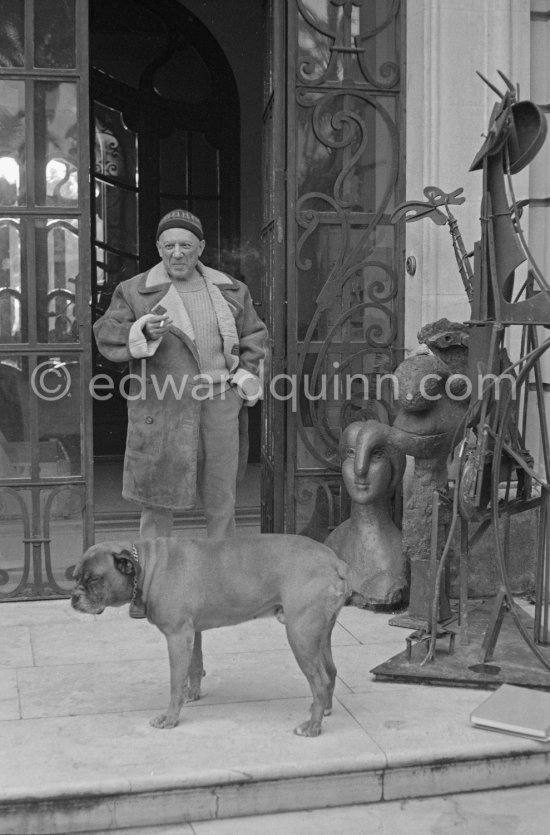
(191, 694)
(308, 729)
(163, 721)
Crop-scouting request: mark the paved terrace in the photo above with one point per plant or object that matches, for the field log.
(78, 753)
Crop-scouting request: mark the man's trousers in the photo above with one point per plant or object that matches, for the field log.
(217, 467)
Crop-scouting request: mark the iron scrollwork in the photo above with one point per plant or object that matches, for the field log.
(359, 285)
(333, 41)
(37, 569)
(347, 180)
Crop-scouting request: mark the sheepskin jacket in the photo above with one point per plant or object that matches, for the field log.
(165, 391)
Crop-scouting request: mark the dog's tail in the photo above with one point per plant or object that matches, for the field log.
(348, 592)
(356, 599)
(353, 595)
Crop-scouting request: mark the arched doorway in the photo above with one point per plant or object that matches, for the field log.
(164, 116)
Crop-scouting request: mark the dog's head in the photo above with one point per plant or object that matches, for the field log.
(104, 577)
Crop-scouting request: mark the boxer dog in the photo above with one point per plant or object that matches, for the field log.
(188, 586)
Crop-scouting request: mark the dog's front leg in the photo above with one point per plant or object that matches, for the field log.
(196, 672)
(180, 648)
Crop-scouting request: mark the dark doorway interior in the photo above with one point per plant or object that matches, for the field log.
(165, 128)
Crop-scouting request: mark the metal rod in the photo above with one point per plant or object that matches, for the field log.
(540, 573)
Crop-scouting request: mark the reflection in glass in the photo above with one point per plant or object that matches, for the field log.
(314, 37)
(111, 269)
(57, 388)
(115, 146)
(61, 183)
(54, 383)
(13, 327)
(347, 148)
(116, 217)
(54, 34)
(348, 42)
(14, 417)
(12, 142)
(12, 33)
(57, 266)
(56, 143)
(361, 304)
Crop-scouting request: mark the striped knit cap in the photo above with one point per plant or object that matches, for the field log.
(182, 219)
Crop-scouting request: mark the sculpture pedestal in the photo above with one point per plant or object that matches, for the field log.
(370, 543)
(426, 522)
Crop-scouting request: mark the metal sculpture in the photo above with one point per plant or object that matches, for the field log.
(430, 410)
(496, 475)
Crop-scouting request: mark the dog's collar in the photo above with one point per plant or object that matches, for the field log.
(135, 557)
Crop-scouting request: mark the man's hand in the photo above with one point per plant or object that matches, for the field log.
(157, 326)
(250, 388)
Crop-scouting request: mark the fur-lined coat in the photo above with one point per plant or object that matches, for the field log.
(160, 462)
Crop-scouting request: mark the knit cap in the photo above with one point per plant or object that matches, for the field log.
(182, 219)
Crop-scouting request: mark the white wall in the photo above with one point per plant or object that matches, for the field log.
(448, 108)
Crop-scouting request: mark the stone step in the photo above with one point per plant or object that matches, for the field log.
(156, 806)
(470, 812)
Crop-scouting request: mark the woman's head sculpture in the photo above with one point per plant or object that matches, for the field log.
(372, 466)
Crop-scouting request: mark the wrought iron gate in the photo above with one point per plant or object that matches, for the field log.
(334, 173)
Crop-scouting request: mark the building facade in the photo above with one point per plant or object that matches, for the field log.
(293, 128)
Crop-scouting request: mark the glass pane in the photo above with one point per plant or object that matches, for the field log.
(344, 41)
(13, 300)
(111, 269)
(379, 60)
(361, 305)
(116, 212)
(347, 150)
(12, 143)
(205, 166)
(56, 385)
(115, 146)
(12, 28)
(174, 162)
(65, 508)
(57, 267)
(54, 34)
(14, 417)
(13, 515)
(56, 143)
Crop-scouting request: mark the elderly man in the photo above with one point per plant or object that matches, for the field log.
(196, 347)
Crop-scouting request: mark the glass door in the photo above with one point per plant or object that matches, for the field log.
(45, 431)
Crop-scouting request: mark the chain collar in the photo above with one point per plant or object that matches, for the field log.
(135, 557)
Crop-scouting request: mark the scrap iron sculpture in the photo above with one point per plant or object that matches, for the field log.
(496, 476)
